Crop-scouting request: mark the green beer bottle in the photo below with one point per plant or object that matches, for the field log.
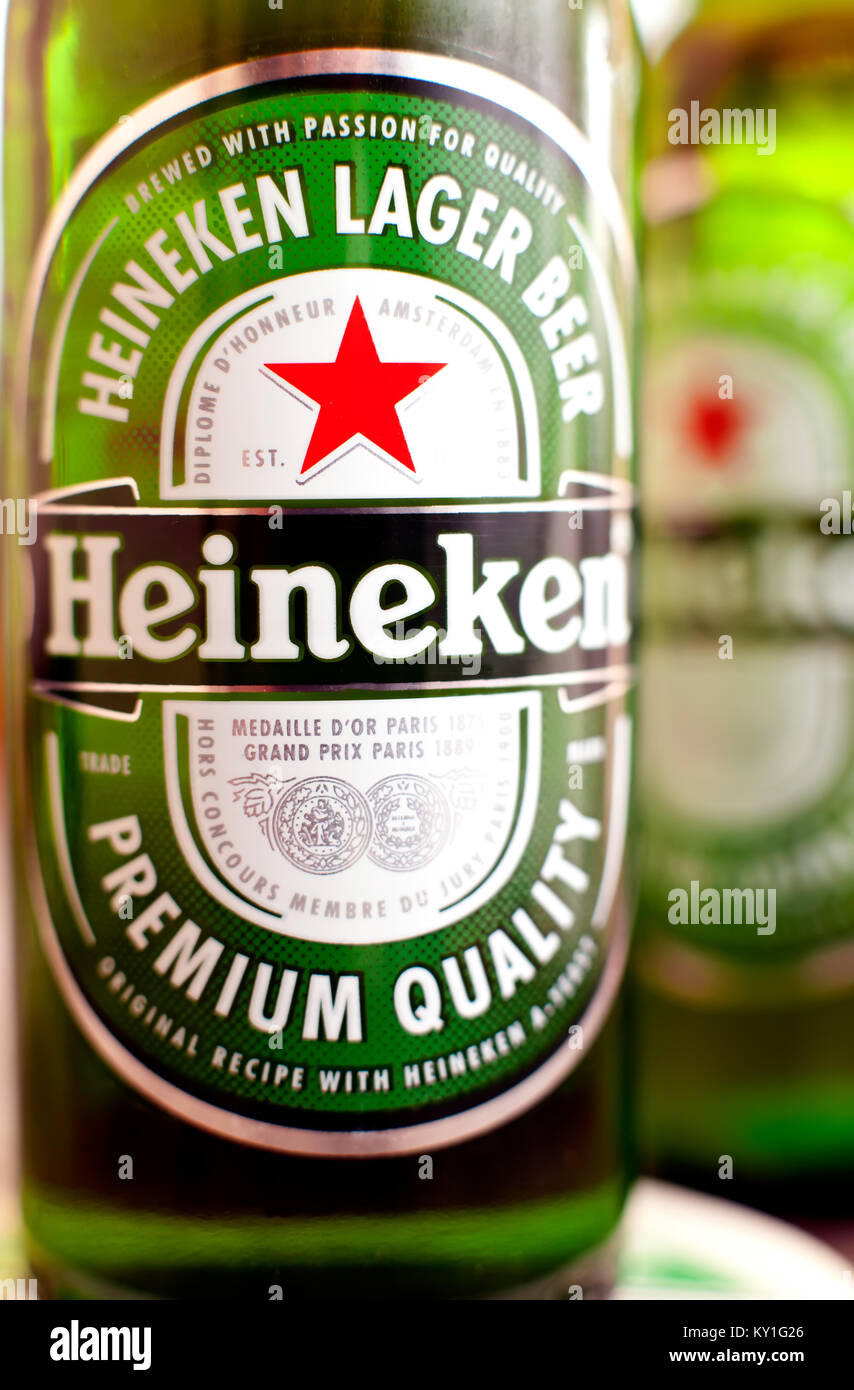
(745, 964)
(321, 381)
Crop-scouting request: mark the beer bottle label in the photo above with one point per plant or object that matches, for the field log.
(330, 419)
(749, 388)
(748, 819)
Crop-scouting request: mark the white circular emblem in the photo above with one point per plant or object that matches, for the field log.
(322, 825)
(411, 822)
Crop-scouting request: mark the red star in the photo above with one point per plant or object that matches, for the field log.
(357, 394)
(714, 426)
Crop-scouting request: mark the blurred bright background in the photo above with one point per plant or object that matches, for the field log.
(743, 979)
(7, 1104)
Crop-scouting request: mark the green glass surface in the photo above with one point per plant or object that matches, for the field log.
(746, 1043)
(527, 1204)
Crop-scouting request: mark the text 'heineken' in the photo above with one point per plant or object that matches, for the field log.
(321, 385)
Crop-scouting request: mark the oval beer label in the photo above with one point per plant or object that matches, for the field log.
(330, 418)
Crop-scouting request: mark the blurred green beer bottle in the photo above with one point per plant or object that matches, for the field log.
(319, 357)
(746, 1027)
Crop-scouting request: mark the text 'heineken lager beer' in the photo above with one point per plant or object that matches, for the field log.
(320, 356)
(745, 961)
